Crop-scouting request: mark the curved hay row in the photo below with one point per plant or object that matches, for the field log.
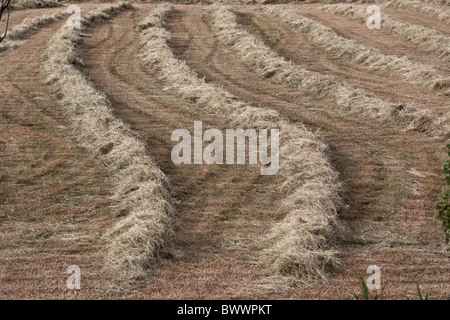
(429, 40)
(141, 196)
(301, 243)
(22, 31)
(34, 4)
(438, 2)
(357, 101)
(367, 57)
(440, 13)
(431, 2)
(377, 2)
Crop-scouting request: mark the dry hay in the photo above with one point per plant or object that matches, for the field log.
(301, 244)
(350, 50)
(22, 31)
(428, 40)
(133, 245)
(34, 4)
(268, 64)
(440, 13)
(436, 2)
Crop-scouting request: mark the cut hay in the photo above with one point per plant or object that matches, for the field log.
(440, 13)
(22, 31)
(428, 40)
(342, 48)
(436, 2)
(34, 4)
(141, 198)
(268, 64)
(301, 244)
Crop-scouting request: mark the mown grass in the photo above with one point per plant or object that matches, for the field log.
(268, 33)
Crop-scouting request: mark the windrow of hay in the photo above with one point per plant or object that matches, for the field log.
(141, 197)
(437, 2)
(350, 50)
(440, 13)
(18, 33)
(34, 4)
(301, 244)
(269, 65)
(428, 40)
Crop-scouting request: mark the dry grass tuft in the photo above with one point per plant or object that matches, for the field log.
(441, 85)
(429, 40)
(22, 31)
(342, 48)
(301, 244)
(436, 2)
(142, 199)
(156, 18)
(354, 100)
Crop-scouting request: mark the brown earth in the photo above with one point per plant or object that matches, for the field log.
(54, 199)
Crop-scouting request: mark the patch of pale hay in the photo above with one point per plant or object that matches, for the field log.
(141, 196)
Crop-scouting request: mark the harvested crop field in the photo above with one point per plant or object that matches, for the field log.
(88, 119)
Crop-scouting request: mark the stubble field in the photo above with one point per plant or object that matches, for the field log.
(86, 176)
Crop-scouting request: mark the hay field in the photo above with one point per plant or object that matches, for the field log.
(87, 179)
